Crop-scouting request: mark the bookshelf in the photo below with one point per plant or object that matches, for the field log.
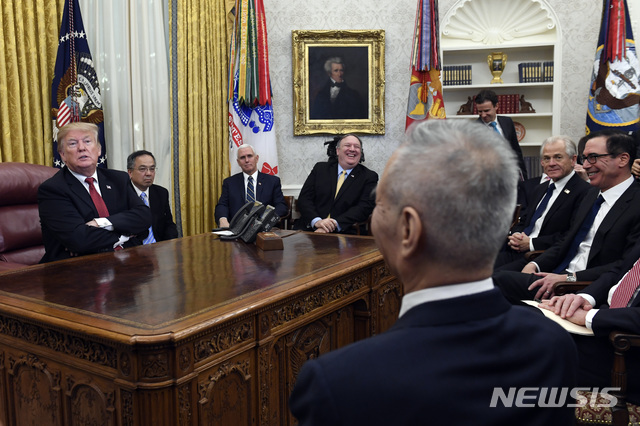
(526, 31)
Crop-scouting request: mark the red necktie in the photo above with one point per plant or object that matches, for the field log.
(622, 295)
(97, 199)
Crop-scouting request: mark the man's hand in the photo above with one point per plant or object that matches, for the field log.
(571, 306)
(326, 226)
(635, 168)
(224, 223)
(581, 172)
(529, 268)
(546, 284)
(519, 241)
(93, 223)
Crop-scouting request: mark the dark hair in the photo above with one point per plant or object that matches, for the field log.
(131, 159)
(486, 95)
(332, 145)
(617, 143)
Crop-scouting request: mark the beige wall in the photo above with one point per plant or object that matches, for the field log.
(579, 21)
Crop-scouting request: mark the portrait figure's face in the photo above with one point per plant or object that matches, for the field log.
(337, 72)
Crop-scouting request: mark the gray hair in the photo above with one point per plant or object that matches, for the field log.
(569, 145)
(246, 145)
(461, 177)
(334, 60)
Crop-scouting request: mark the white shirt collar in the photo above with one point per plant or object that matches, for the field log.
(611, 195)
(444, 292)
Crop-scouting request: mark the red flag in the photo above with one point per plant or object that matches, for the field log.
(425, 89)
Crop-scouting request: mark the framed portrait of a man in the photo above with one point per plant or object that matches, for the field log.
(338, 81)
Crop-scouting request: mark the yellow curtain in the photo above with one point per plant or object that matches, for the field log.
(201, 90)
(29, 43)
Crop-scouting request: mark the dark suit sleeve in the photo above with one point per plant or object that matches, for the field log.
(63, 218)
(364, 205)
(164, 228)
(311, 402)
(222, 208)
(510, 135)
(306, 198)
(277, 197)
(621, 319)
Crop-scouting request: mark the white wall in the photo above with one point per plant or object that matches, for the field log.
(579, 21)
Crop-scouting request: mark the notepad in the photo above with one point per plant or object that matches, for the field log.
(564, 323)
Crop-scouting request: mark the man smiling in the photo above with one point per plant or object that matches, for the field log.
(605, 226)
(338, 194)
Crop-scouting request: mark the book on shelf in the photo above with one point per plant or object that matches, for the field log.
(535, 72)
(456, 75)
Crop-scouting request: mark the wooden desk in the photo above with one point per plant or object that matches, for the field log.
(194, 331)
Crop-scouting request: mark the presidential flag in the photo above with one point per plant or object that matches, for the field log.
(614, 94)
(250, 109)
(75, 93)
(425, 89)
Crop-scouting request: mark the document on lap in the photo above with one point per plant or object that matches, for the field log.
(564, 323)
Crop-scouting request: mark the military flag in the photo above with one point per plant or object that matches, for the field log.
(425, 89)
(250, 108)
(75, 93)
(614, 94)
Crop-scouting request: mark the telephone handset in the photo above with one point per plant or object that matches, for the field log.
(261, 223)
(241, 219)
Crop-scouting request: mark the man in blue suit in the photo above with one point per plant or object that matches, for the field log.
(457, 340)
(266, 188)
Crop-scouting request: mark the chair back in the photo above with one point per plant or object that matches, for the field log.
(20, 232)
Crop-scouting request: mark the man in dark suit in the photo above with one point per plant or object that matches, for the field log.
(487, 105)
(548, 217)
(439, 361)
(141, 166)
(84, 209)
(325, 209)
(236, 189)
(598, 308)
(605, 225)
(336, 100)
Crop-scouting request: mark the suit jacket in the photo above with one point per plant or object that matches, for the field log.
(267, 188)
(558, 218)
(526, 189)
(354, 203)
(438, 365)
(347, 105)
(509, 133)
(65, 207)
(617, 233)
(164, 228)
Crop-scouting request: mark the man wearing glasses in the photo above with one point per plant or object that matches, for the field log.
(605, 226)
(141, 166)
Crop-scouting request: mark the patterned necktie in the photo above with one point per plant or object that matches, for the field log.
(494, 125)
(251, 195)
(582, 232)
(627, 287)
(97, 199)
(150, 238)
(340, 182)
(540, 209)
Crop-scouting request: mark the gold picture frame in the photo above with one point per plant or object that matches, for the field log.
(362, 93)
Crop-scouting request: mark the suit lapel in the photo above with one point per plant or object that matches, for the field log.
(616, 211)
(106, 188)
(348, 181)
(258, 186)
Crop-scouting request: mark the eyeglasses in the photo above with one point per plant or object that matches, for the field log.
(143, 169)
(592, 158)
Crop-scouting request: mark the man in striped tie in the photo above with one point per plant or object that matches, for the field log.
(141, 166)
(609, 303)
(248, 186)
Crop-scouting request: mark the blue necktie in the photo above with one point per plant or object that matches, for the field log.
(494, 125)
(251, 195)
(150, 238)
(582, 232)
(541, 208)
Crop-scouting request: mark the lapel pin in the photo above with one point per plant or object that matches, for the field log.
(108, 187)
(566, 191)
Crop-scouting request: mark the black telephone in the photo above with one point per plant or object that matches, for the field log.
(252, 218)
